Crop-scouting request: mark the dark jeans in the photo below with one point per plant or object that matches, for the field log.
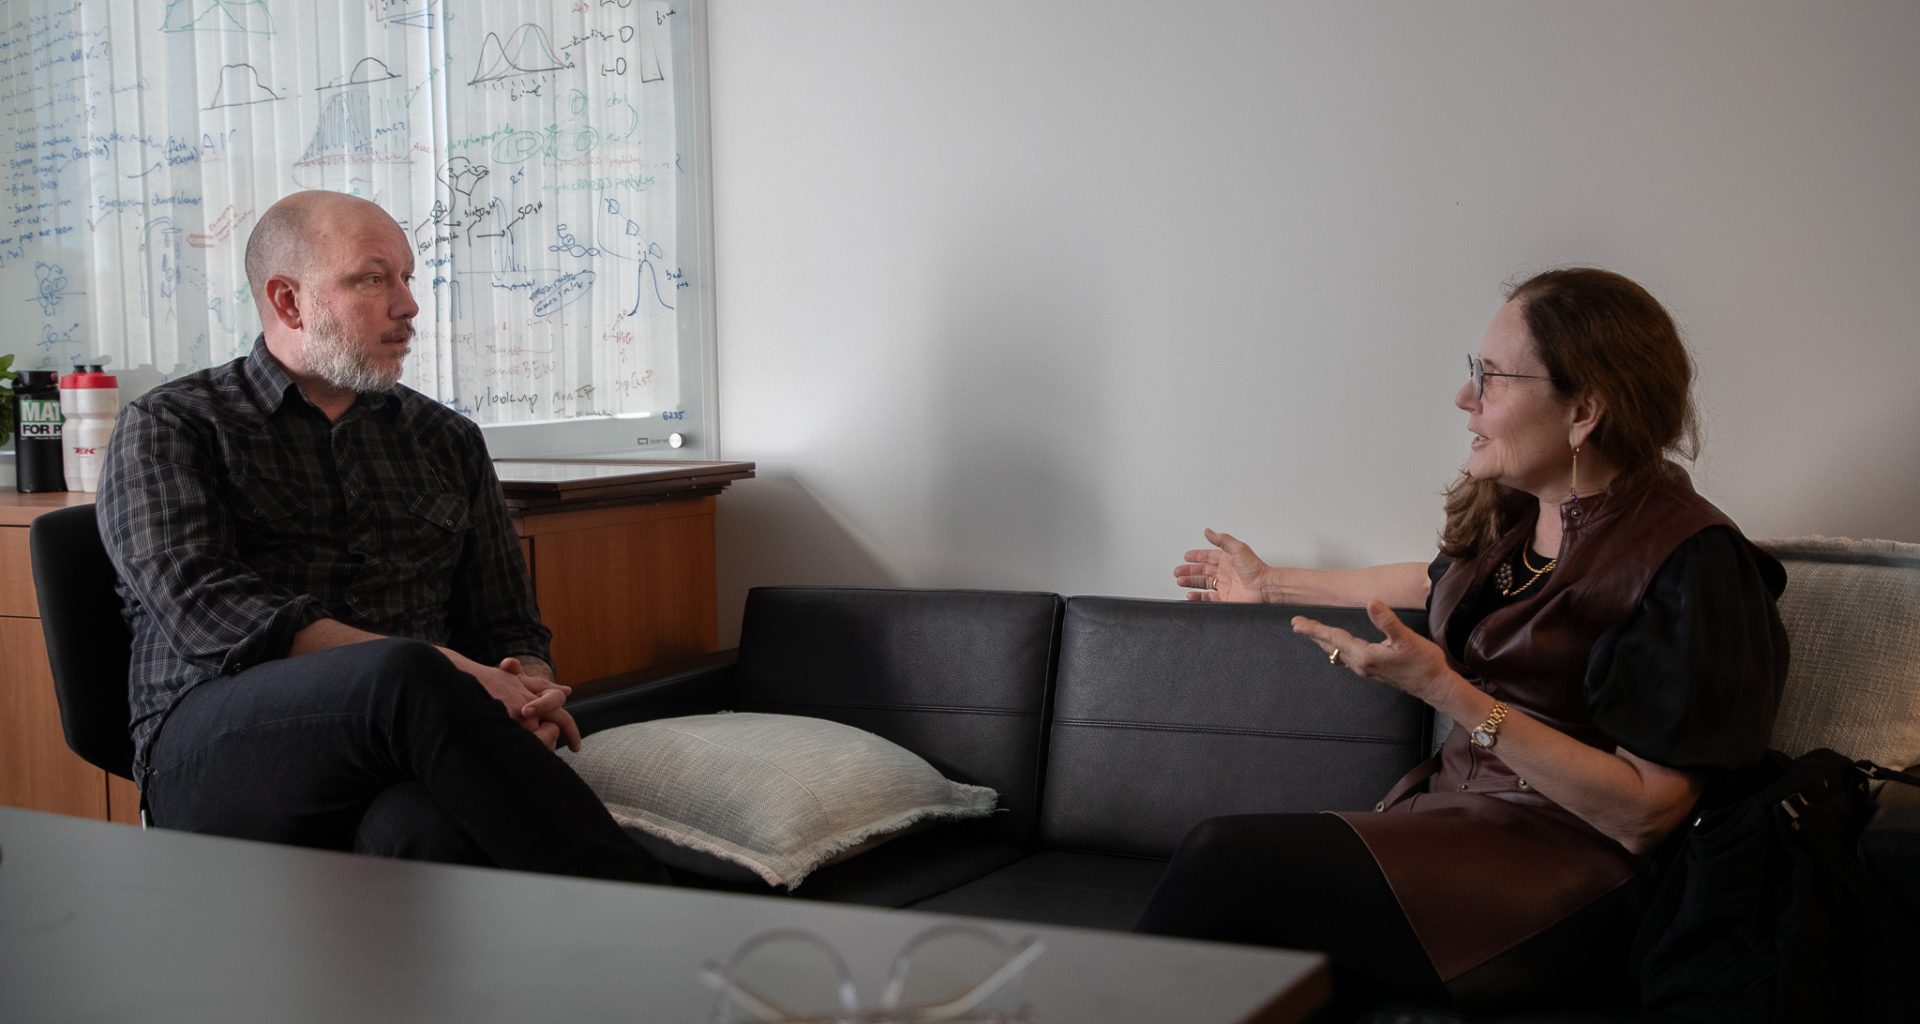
(382, 747)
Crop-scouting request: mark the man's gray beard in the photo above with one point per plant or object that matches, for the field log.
(330, 356)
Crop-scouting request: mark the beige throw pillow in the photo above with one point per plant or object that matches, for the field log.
(772, 797)
(1852, 613)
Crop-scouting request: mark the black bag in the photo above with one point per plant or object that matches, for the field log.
(1766, 913)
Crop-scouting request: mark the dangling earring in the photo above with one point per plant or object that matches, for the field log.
(1573, 487)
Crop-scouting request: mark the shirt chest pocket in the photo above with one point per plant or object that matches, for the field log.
(273, 521)
(436, 534)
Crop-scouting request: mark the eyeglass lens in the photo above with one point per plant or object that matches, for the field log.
(948, 973)
(959, 972)
(784, 975)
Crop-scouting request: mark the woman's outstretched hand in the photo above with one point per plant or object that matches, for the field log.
(1404, 659)
(1228, 571)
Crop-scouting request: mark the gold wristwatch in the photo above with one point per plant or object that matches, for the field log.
(1487, 733)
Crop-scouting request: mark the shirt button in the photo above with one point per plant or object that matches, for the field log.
(1463, 787)
(1523, 783)
(1381, 806)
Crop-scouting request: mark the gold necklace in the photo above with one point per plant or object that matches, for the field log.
(1503, 576)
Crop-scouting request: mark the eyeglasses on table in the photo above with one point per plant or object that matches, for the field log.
(958, 973)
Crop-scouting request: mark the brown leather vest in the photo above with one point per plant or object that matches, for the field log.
(1533, 653)
(1482, 861)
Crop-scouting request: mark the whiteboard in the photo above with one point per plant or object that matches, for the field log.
(546, 157)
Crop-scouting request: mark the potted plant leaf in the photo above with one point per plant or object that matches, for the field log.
(7, 377)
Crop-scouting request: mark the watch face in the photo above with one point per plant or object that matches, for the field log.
(1481, 738)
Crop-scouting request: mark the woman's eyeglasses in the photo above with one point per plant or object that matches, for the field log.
(1478, 373)
(948, 974)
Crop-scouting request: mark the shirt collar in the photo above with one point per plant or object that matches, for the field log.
(266, 376)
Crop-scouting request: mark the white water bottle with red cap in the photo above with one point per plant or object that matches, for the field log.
(89, 399)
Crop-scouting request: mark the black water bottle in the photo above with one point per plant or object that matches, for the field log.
(37, 425)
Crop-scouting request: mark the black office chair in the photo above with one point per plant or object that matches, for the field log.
(88, 642)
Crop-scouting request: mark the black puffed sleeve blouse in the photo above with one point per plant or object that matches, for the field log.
(1692, 679)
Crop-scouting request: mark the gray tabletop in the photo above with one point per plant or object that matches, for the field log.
(104, 922)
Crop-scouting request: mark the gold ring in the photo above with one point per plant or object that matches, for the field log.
(1334, 658)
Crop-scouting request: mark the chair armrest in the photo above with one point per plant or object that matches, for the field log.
(697, 686)
(1890, 843)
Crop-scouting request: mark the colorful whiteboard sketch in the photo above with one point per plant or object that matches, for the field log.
(406, 13)
(553, 221)
(527, 51)
(367, 72)
(221, 230)
(250, 16)
(346, 135)
(160, 242)
(53, 287)
(653, 71)
(239, 86)
(463, 175)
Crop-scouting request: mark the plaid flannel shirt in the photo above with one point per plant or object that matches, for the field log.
(237, 514)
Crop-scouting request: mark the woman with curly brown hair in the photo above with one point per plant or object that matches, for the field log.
(1604, 639)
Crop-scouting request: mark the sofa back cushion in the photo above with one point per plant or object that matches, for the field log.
(1852, 614)
(1170, 712)
(959, 677)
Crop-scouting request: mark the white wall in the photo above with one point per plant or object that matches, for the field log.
(1023, 294)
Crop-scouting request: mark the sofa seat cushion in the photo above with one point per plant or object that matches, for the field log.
(915, 868)
(897, 874)
(1086, 890)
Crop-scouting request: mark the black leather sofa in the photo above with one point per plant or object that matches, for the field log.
(1109, 727)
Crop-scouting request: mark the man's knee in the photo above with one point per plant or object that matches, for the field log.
(405, 821)
(401, 661)
(416, 671)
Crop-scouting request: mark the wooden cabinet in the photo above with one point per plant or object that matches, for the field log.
(623, 585)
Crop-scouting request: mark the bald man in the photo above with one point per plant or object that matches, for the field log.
(335, 643)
